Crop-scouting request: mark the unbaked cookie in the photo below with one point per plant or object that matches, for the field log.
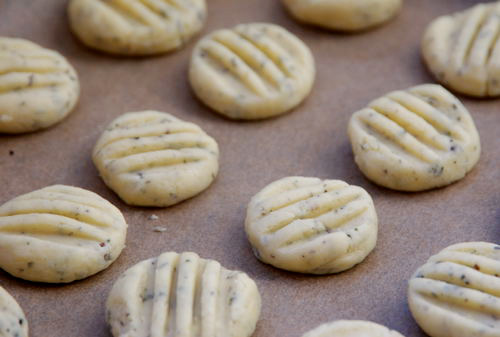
(251, 71)
(13, 323)
(457, 292)
(414, 139)
(309, 225)
(345, 15)
(59, 234)
(462, 50)
(136, 27)
(38, 87)
(152, 158)
(182, 295)
(351, 328)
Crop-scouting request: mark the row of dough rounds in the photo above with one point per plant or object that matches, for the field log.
(456, 293)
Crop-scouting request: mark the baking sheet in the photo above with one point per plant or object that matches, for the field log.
(311, 141)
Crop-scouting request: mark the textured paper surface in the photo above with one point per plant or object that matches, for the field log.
(309, 141)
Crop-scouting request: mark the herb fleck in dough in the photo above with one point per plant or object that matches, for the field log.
(309, 225)
(152, 158)
(462, 50)
(38, 87)
(348, 328)
(182, 295)
(59, 234)
(414, 139)
(13, 322)
(457, 292)
(136, 27)
(251, 71)
(343, 15)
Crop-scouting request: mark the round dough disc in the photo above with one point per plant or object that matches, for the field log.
(38, 87)
(59, 234)
(13, 322)
(309, 225)
(152, 158)
(251, 71)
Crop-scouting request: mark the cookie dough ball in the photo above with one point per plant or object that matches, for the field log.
(251, 71)
(462, 50)
(136, 27)
(309, 225)
(152, 158)
(38, 87)
(344, 15)
(13, 323)
(346, 328)
(59, 234)
(182, 295)
(414, 139)
(457, 292)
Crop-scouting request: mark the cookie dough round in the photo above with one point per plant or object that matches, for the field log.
(13, 322)
(38, 87)
(59, 234)
(136, 27)
(351, 328)
(251, 71)
(462, 50)
(457, 292)
(414, 139)
(344, 15)
(182, 295)
(152, 158)
(309, 225)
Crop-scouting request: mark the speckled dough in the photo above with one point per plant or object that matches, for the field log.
(347, 328)
(345, 15)
(309, 225)
(59, 234)
(152, 158)
(251, 71)
(13, 323)
(136, 27)
(457, 292)
(182, 295)
(462, 50)
(38, 87)
(415, 139)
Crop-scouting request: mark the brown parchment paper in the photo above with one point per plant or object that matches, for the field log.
(309, 141)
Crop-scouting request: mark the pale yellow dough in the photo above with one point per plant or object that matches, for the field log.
(414, 139)
(352, 328)
(59, 234)
(152, 158)
(462, 50)
(457, 292)
(309, 225)
(251, 71)
(182, 295)
(344, 15)
(38, 87)
(136, 27)
(13, 322)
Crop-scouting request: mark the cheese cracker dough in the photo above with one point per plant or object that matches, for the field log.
(351, 328)
(13, 323)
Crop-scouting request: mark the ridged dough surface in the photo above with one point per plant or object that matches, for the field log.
(13, 322)
(38, 87)
(457, 292)
(152, 158)
(352, 328)
(462, 50)
(59, 234)
(414, 139)
(310, 225)
(182, 295)
(343, 15)
(251, 71)
(136, 27)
